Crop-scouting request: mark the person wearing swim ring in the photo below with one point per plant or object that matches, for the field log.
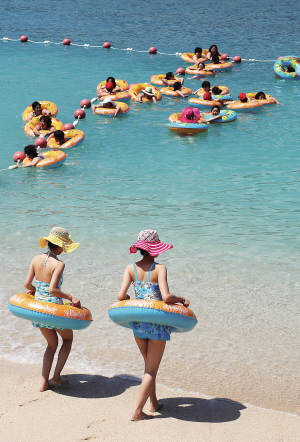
(110, 88)
(177, 87)
(149, 279)
(213, 50)
(243, 98)
(170, 79)
(32, 155)
(37, 111)
(45, 124)
(215, 111)
(108, 103)
(198, 56)
(147, 94)
(59, 137)
(262, 96)
(47, 269)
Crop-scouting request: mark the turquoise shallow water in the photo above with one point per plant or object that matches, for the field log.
(227, 199)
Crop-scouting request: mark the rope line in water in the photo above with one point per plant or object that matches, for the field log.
(86, 45)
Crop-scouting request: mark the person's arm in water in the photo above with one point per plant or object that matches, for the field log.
(154, 99)
(117, 111)
(164, 288)
(181, 94)
(276, 101)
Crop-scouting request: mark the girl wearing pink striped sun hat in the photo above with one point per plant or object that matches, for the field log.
(150, 283)
(148, 240)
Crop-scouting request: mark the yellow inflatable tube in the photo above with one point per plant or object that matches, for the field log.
(139, 87)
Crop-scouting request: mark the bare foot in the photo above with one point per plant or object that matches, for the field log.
(142, 416)
(59, 381)
(156, 407)
(45, 386)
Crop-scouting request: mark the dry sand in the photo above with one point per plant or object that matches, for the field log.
(98, 408)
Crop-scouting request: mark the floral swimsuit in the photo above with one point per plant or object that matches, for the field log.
(149, 291)
(42, 294)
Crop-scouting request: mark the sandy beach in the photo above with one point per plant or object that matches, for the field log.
(98, 408)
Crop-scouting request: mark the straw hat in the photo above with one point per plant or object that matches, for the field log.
(148, 240)
(60, 237)
(149, 91)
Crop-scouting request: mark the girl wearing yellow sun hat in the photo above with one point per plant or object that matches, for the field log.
(48, 273)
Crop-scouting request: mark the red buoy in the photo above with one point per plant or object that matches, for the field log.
(237, 59)
(68, 126)
(19, 156)
(180, 71)
(79, 113)
(106, 44)
(152, 50)
(224, 57)
(85, 103)
(40, 142)
(23, 38)
(66, 41)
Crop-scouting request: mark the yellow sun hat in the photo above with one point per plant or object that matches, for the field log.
(60, 237)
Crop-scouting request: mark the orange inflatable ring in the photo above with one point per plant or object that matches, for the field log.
(53, 159)
(188, 56)
(170, 91)
(123, 85)
(195, 71)
(224, 90)
(110, 111)
(175, 118)
(199, 102)
(57, 315)
(44, 105)
(157, 79)
(221, 66)
(28, 129)
(180, 318)
(248, 106)
(118, 96)
(137, 88)
(74, 136)
(268, 100)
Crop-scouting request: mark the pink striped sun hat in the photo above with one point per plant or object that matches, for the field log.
(148, 240)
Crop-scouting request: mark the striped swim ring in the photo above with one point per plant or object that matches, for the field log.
(180, 318)
(65, 316)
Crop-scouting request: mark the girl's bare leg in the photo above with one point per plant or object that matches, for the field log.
(143, 347)
(155, 350)
(52, 340)
(67, 337)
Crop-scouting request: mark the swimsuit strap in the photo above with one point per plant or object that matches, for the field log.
(48, 254)
(149, 271)
(135, 273)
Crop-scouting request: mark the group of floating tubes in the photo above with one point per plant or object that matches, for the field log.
(139, 87)
(111, 111)
(28, 129)
(74, 136)
(179, 318)
(286, 62)
(157, 79)
(48, 105)
(170, 91)
(66, 316)
(186, 128)
(53, 159)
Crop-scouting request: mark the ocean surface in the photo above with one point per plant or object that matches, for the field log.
(228, 199)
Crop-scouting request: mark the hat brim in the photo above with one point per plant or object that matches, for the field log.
(152, 94)
(153, 248)
(67, 246)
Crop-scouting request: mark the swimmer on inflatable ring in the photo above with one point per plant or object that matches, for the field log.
(33, 156)
(147, 94)
(170, 79)
(150, 284)
(37, 111)
(264, 98)
(107, 103)
(190, 115)
(45, 124)
(200, 71)
(47, 270)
